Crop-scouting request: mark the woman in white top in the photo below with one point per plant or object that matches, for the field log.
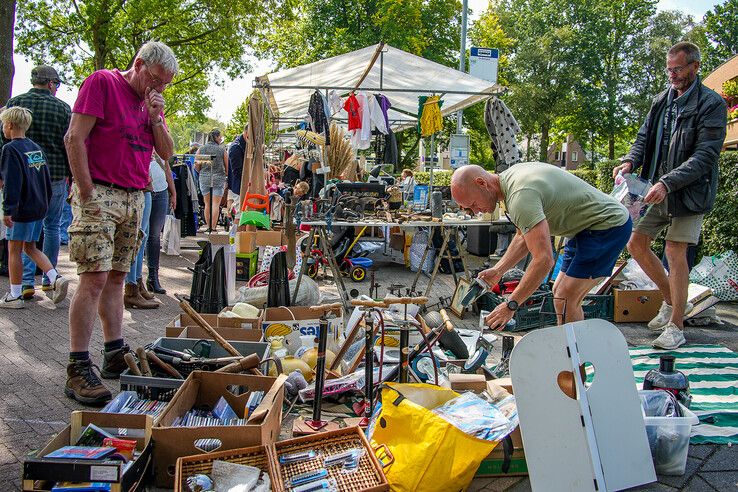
(163, 198)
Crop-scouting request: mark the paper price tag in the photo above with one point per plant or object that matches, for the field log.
(104, 474)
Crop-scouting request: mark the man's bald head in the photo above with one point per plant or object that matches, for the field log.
(474, 188)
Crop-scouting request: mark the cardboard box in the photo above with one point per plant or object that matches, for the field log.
(468, 382)
(230, 334)
(245, 242)
(269, 238)
(219, 239)
(491, 466)
(183, 320)
(40, 473)
(636, 306)
(283, 320)
(205, 388)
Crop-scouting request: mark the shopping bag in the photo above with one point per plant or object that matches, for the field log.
(428, 452)
(720, 273)
(171, 236)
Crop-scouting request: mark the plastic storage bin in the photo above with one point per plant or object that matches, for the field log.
(668, 438)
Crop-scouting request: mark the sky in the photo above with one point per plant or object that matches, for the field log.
(227, 98)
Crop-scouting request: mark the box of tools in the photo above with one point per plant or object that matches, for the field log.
(175, 438)
(41, 472)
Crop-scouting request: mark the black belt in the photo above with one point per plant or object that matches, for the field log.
(116, 186)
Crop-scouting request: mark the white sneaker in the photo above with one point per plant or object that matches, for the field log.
(671, 338)
(664, 316)
(8, 302)
(61, 285)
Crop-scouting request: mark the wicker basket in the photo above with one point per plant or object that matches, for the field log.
(257, 456)
(368, 477)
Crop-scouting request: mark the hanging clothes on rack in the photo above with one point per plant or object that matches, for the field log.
(334, 100)
(187, 204)
(503, 129)
(364, 139)
(384, 104)
(391, 156)
(431, 120)
(377, 118)
(352, 108)
(317, 114)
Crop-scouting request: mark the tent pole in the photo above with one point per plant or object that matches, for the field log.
(462, 60)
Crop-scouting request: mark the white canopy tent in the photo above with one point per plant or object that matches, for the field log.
(399, 75)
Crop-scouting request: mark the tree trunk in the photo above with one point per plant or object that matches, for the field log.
(7, 69)
(527, 150)
(543, 154)
(611, 146)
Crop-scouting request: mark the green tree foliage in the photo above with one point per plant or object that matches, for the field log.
(721, 29)
(86, 35)
(720, 229)
(427, 28)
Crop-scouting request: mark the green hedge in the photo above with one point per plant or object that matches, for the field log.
(587, 175)
(720, 228)
(440, 178)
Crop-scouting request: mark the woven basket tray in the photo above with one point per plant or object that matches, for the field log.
(257, 456)
(368, 477)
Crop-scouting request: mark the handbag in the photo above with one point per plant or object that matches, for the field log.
(171, 235)
(720, 273)
(430, 454)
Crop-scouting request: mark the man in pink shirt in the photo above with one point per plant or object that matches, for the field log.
(117, 121)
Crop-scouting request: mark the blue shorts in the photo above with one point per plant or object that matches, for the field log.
(592, 254)
(25, 231)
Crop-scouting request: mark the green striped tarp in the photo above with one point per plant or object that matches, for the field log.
(713, 382)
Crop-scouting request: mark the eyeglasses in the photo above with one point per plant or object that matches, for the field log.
(676, 70)
(57, 83)
(156, 80)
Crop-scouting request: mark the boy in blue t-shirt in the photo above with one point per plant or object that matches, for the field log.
(27, 188)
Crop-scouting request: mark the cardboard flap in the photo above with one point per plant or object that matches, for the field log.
(262, 410)
(80, 419)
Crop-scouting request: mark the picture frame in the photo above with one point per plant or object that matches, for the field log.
(462, 287)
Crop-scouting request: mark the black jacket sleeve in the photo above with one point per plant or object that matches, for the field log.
(711, 128)
(12, 175)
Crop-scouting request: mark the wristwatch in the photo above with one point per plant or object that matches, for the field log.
(512, 305)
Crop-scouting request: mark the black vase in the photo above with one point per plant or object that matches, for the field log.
(279, 287)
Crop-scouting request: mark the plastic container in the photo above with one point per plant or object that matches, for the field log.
(668, 438)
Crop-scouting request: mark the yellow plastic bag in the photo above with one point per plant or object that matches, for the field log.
(429, 453)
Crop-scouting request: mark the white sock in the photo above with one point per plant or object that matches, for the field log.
(51, 275)
(15, 291)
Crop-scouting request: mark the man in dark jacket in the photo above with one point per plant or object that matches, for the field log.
(677, 148)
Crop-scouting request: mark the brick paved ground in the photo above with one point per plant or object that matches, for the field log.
(33, 356)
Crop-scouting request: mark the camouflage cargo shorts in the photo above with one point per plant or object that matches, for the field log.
(105, 232)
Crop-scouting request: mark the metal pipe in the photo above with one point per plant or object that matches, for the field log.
(462, 60)
(495, 89)
(320, 368)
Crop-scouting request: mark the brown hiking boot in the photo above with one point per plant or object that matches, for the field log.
(84, 386)
(114, 362)
(132, 298)
(142, 290)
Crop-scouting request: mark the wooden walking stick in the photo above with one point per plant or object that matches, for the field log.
(205, 326)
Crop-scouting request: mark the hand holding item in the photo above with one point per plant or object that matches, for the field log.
(623, 168)
(499, 317)
(490, 276)
(8, 221)
(656, 194)
(155, 105)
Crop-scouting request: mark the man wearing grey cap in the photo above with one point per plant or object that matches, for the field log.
(51, 118)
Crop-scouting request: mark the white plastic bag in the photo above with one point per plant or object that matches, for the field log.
(720, 273)
(171, 236)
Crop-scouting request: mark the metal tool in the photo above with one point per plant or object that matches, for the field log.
(405, 325)
(477, 290)
(316, 423)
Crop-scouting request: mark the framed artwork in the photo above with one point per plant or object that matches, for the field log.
(461, 289)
